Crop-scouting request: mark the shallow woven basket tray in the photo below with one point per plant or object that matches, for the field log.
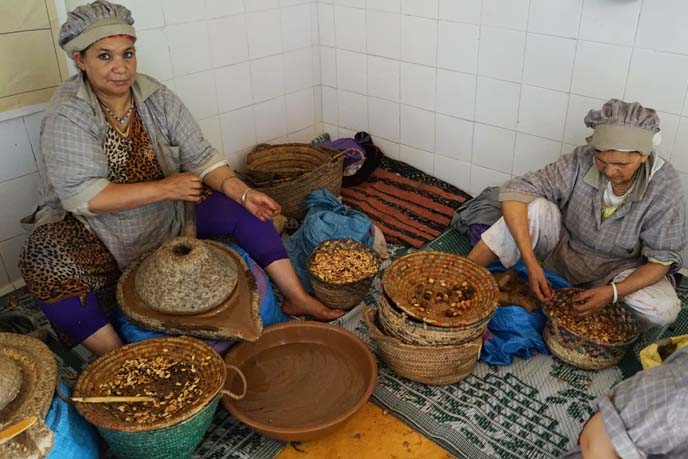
(621, 317)
(341, 296)
(212, 378)
(268, 163)
(291, 192)
(436, 365)
(394, 322)
(581, 351)
(403, 276)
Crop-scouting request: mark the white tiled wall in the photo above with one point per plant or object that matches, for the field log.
(249, 71)
(472, 91)
(477, 91)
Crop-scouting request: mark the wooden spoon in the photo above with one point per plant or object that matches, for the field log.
(8, 433)
(113, 399)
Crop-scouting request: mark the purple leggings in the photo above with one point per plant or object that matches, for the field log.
(217, 215)
(220, 215)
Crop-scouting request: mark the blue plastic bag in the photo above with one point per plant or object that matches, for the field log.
(513, 331)
(270, 311)
(74, 436)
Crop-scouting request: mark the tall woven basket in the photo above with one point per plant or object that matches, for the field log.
(436, 365)
(176, 437)
(289, 172)
(346, 295)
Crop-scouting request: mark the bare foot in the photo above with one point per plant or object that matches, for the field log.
(309, 306)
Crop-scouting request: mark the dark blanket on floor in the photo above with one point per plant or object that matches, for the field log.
(409, 206)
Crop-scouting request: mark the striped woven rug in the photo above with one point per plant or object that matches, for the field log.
(409, 206)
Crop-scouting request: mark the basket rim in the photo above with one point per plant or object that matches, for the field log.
(547, 304)
(334, 158)
(419, 323)
(373, 322)
(458, 321)
(89, 413)
(367, 249)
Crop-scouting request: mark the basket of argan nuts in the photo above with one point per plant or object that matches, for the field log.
(342, 271)
(183, 377)
(433, 304)
(596, 341)
(441, 289)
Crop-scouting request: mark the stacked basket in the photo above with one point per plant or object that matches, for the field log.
(289, 172)
(424, 346)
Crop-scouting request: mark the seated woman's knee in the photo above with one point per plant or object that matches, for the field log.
(667, 311)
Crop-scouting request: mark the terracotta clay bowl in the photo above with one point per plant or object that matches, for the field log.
(304, 380)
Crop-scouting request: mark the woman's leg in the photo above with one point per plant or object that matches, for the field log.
(219, 214)
(544, 225)
(656, 305)
(62, 264)
(296, 300)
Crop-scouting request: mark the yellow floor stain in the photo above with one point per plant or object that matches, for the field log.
(370, 434)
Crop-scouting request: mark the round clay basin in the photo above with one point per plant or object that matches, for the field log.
(305, 379)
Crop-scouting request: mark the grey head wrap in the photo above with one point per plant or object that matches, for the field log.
(89, 23)
(623, 126)
(629, 127)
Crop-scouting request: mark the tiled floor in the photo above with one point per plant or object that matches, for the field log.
(370, 434)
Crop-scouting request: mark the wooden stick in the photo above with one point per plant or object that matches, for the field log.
(8, 433)
(113, 399)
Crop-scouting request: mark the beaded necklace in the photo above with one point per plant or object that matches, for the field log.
(119, 119)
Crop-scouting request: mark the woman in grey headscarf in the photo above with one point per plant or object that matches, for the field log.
(122, 154)
(609, 216)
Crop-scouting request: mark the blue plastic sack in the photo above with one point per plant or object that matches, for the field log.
(513, 331)
(74, 436)
(270, 311)
(326, 218)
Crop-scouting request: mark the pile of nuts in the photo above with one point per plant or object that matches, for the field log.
(602, 327)
(438, 295)
(343, 266)
(174, 385)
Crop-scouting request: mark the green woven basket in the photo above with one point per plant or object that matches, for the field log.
(175, 442)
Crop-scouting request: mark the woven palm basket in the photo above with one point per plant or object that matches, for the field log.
(285, 161)
(396, 323)
(341, 295)
(435, 365)
(177, 436)
(288, 173)
(407, 273)
(582, 352)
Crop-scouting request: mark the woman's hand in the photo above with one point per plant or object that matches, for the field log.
(538, 282)
(182, 187)
(261, 205)
(592, 300)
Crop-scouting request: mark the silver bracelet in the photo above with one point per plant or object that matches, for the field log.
(243, 196)
(616, 293)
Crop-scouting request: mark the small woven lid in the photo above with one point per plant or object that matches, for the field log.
(38, 375)
(10, 381)
(186, 276)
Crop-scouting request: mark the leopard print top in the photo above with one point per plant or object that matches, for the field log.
(64, 259)
(131, 158)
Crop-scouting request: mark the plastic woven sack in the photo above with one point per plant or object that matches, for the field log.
(513, 331)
